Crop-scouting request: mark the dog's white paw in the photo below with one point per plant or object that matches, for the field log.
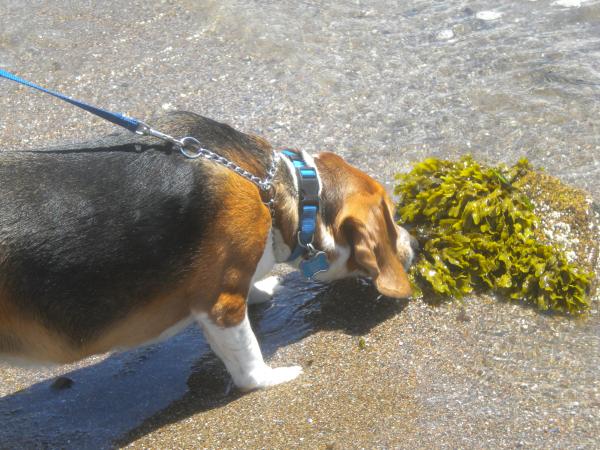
(280, 375)
(264, 290)
(267, 376)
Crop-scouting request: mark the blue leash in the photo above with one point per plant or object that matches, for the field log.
(116, 118)
(189, 146)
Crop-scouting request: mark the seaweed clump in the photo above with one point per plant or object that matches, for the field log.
(478, 231)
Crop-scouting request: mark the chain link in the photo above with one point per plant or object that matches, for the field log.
(192, 148)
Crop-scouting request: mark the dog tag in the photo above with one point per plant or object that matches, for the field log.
(315, 264)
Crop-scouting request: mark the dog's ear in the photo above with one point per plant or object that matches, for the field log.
(367, 225)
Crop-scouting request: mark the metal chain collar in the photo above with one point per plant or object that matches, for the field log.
(192, 148)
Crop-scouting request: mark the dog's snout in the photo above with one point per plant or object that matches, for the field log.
(407, 245)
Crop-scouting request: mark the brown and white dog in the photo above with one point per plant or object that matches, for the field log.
(118, 242)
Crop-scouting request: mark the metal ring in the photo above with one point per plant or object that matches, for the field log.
(309, 245)
(267, 192)
(267, 187)
(190, 147)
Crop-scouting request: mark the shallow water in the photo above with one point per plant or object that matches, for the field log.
(375, 79)
(384, 83)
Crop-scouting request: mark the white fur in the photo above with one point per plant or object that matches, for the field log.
(269, 285)
(267, 260)
(310, 160)
(281, 249)
(238, 349)
(291, 170)
(264, 290)
(337, 267)
(237, 346)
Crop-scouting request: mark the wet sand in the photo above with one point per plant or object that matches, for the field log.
(428, 378)
(384, 85)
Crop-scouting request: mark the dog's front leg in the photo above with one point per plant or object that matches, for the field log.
(263, 291)
(226, 325)
(238, 348)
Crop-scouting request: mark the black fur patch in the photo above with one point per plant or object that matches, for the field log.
(88, 232)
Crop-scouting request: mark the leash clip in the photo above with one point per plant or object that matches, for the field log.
(308, 246)
(191, 147)
(143, 129)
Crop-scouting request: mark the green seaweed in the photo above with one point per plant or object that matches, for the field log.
(362, 344)
(478, 231)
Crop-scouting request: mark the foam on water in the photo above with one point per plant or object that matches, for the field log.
(569, 3)
(488, 15)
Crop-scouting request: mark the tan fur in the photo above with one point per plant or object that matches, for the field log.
(364, 222)
(244, 236)
(24, 337)
(220, 279)
(367, 224)
(143, 324)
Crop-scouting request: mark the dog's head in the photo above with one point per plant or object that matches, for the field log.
(359, 233)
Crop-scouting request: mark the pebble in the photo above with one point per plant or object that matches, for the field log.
(62, 383)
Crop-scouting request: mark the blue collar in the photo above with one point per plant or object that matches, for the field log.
(313, 260)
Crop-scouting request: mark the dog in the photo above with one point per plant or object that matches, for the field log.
(121, 241)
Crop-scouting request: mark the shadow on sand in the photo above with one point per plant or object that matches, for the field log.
(133, 393)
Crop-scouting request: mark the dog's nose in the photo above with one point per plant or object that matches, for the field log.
(408, 246)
